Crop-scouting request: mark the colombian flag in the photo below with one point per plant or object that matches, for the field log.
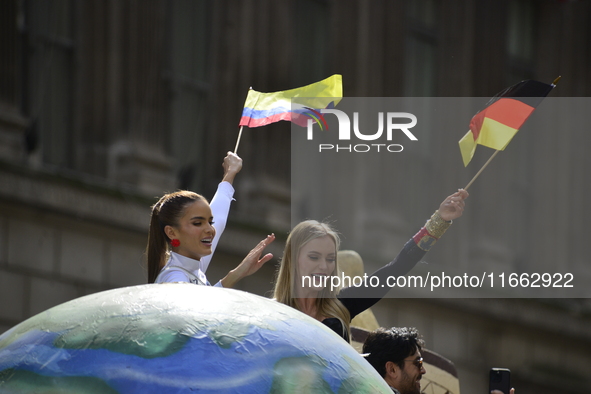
(502, 117)
(264, 108)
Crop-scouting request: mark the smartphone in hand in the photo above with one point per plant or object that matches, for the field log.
(499, 379)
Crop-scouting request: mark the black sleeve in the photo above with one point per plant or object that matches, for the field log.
(358, 299)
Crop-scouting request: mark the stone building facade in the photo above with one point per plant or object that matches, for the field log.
(105, 105)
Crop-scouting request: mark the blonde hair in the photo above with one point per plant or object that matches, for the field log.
(327, 303)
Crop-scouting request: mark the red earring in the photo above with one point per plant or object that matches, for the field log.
(175, 243)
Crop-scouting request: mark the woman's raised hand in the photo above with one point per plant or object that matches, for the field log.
(453, 206)
(251, 263)
(232, 165)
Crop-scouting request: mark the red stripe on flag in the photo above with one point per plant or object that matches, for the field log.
(510, 112)
(476, 124)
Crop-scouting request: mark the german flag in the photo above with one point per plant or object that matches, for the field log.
(496, 124)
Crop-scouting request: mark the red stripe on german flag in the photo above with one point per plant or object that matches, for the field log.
(507, 111)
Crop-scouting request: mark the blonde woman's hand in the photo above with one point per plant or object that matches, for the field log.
(453, 206)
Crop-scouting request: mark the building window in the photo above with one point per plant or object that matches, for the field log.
(520, 40)
(190, 33)
(10, 52)
(420, 49)
(49, 52)
(311, 41)
(520, 57)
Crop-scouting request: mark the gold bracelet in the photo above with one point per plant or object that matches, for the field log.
(436, 226)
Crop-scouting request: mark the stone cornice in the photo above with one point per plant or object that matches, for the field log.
(74, 197)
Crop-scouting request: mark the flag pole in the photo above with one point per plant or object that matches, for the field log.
(238, 140)
(241, 127)
(494, 154)
(482, 169)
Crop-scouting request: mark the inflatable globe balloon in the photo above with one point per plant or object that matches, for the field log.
(179, 338)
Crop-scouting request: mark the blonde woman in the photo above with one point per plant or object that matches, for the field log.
(311, 252)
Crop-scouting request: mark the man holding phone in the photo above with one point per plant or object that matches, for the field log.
(396, 354)
(500, 381)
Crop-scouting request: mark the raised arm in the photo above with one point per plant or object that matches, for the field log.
(358, 299)
(221, 201)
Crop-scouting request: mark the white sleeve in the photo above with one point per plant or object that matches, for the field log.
(220, 208)
(172, 275)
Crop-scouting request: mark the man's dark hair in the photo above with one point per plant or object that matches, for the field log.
(393, 344)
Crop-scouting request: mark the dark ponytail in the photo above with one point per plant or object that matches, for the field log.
(166, 212)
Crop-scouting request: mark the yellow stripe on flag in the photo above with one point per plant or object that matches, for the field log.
(467, 147)
(495, 135)
(318, 95)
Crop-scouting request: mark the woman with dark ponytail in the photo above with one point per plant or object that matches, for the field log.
(182, 236)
